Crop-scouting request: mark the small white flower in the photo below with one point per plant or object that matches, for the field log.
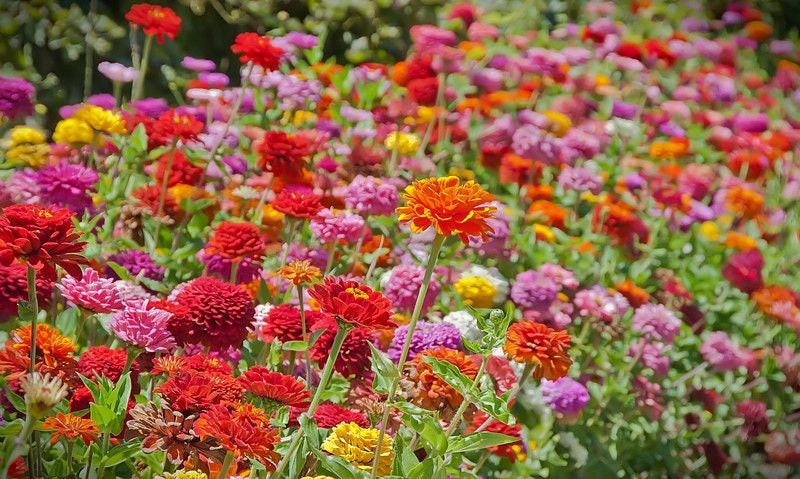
(465, 323)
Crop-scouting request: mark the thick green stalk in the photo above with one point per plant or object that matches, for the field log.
(148, 45)
(226, 464)
(327, 372)
(412, 324)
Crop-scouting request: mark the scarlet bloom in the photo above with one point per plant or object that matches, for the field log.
(195, 391)
(424, 90)
(236, 240)
(448, 206)
(353, 303)
(534, 343)
(743, 270)
(283, 154)
(181, 171)
(354, 357)
(155, 20)
(211, 312)
(172, 126)
(330, 415)
(297, 204)
(617, 219)
(41, 238)
(70, 427)
(300, 272)
(102, 361)
(275, 387)
(239, 434)
(283, 322)
(511, 451)
(252, 47)
(14, 288)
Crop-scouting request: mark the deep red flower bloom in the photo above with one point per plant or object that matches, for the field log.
(41, 238)
(630, 50)
(509, 451)
(98, 361)
(354, 303)
(211, 312)
(172, 126)
(180, 171)
(280, 388)
(155, 20)
(283, 322)
(235, 241)
(755, 418)
(297, 204)
(743, 270)
(252, 47)
(240, 435)
(420, 66)
(329, 415)
(195, 391)
(465, 12)
(283, 154)
(80, 400)
(14, 288)
(354, 357)
(618, 220)
(148, 199)
(424, 90)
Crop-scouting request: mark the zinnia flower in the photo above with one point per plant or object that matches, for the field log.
(353, 358)
(196, 390)
(655, 321)
(448, 206)
(236, 240)
(512, 451)
(16, 97)
(99, 295)
(145, 328)
(358, 446)
(300, 272)
(533, 290)
(239, 435)
(353, 303)
(42, 393)
(426, 389)
(275, 387)
(426, 336)
(329, 415)
(330, 226)
(402, 284)
(70, 427)
(14, 288)
(155, 20)
(297, 204)
(41, 238)
(54, 352)
(252, 47)
(565, 395)
(534, 343)
(370, 195)
(743, 270)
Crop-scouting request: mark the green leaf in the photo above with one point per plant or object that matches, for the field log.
(385, 370)
(16, 400)
(479, 440)
(294, 346)
(314, 336)
(11, 428)
(121, 453)
(25, 312)
(337, 466)
(138, 139)
(430, 468)
(426, 424)
(102, 416)
(120, 271)
(451, 375)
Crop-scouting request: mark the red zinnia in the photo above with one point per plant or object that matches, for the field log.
(240, 435)
(534, 343)
(257, 49)
(283, 154)
(353, 358)
(276, 387)
(424, 90)
(211, 312)
(102, 361)
(235, 241)
(196, 391)
(354, 303)
(180, 171)
(510, 451)
(329, 415)
(14, 288)
(283, 322)
(172, 126)
(148, 199)
(41, 238)
(155, 20)
(297, 204)
(743, 270)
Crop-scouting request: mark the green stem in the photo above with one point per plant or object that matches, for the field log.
(162, 195)
(527, 372)
(327, 372)
(70, 446)
(133, 353)
(456, 421)
(306, 356)
(148, 45)
(101, 469)
(331, 251)
(22, 441)
(33, 302)
(423, 291)
(226, 464)
(234, 271)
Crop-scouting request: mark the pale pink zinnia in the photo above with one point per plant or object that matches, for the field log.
(144, 328)
(98, 295)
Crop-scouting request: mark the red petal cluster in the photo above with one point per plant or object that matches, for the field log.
(195, 391)
(352, 302)
(252, 47)
(211, 312)
(284, 154)
(277, 387)
(155, 20)
(172, 126)
(283, 322)
(181, 171)
(297, 204)
(42, 238)
(354, 357)
(14, 288)
(235, 241)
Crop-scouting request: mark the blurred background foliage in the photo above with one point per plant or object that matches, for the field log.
(57, 44)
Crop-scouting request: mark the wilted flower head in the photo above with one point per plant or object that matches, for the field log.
(42, 393)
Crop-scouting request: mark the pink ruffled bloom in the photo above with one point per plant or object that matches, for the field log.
(96, 294)
(144, 328)
(331, 226)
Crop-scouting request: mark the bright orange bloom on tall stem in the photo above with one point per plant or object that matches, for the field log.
(537, 344)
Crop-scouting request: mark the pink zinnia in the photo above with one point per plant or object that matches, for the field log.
(98, 295)
(331, 226)
(725, 355)
(144, 328)
(369, 195)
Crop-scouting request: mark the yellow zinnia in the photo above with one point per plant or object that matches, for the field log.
(184, 475)
(73, 131)
(34, 156)
(559, 122)
(476, 291)
(100, 119)
(25, 135)
(406, 143)
(357, 445)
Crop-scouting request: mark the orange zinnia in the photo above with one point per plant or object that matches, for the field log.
(426, 389)
(534, 343)
(53, 352)
(70, 427)
(300, 272)
(447, 205)
(634, 294)
(745, 202)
